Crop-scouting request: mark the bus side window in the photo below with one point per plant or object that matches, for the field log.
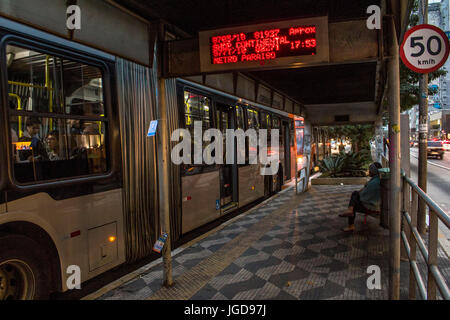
(240, 118)
(254, 124)
(196, 108)
(64, 136)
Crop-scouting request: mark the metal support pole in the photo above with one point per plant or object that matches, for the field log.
(423, 130)
(379, 140)
(394, 165)
(406, 167)
(432, 254)
(164, 174)
(413, 245)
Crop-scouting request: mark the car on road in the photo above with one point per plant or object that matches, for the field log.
(435, 149)
(446, 145)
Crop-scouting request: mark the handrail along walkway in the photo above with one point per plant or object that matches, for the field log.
(411, 194)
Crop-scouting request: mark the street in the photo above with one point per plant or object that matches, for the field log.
(438, 186)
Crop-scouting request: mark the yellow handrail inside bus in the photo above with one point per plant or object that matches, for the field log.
(23, 84)
(19, 107)
(188, 112)
(49, 87)
(100, 125)
(47, 72)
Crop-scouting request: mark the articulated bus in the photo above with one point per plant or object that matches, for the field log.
(78, 178)
(229, 186)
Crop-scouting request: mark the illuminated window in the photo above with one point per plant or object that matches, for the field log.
(240, 118)
(196, 108)
(275, 123)
(252, 119)
(265, 120)
(299, 123)
(299, 136)
(56, 116)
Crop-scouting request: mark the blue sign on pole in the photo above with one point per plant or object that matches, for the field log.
(152, 128)
(448, 34)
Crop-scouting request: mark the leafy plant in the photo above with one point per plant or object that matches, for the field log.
(331, 166)
(357, 163)
(352, 164)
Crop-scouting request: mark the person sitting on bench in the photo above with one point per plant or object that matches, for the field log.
(366, 200)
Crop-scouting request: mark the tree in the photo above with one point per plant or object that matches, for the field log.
(409, 86)
(409, 80)
(359, 135)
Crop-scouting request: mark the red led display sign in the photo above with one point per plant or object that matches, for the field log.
(263, 45)
(290, 43)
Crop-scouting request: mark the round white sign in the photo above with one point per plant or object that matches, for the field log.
(425, 48)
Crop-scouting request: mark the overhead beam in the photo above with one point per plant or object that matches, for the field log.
(336, 114)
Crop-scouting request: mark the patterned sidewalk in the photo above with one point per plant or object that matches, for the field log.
(291, 247)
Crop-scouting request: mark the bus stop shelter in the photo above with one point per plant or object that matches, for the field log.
(361, 69)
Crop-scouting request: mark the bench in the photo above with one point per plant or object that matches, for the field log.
(375, 214)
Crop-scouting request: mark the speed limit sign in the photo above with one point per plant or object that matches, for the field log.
(425, 48)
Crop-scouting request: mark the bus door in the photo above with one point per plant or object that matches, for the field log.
(228, 172)
(287, 150)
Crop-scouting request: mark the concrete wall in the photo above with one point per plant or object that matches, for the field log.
(103, 25)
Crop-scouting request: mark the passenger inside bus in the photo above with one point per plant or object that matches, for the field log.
(56, 116)
(53, 146)
(36, 150)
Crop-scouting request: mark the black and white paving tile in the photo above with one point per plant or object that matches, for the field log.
(305, 255)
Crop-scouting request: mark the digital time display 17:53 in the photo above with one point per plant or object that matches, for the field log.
(263, 45)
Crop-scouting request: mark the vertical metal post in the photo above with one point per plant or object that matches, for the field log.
(394, 165)
(413, 245)
(405, 208)
(296, 183)
(379, 140)
(432, 253)
(164, 171)
(423, 130)
(406, 167)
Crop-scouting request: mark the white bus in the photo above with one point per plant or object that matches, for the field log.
(78, 176)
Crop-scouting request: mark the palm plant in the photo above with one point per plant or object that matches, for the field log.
(352, 164)
(331, 166)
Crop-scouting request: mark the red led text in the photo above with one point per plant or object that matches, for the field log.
(263, 45)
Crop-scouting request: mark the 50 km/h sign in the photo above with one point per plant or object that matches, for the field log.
(425, 48)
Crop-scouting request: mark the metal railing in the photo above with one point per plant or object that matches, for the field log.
(384, 161)
(411, 239)
(301, 176)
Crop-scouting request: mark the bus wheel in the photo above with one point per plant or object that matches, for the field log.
(22, 274)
